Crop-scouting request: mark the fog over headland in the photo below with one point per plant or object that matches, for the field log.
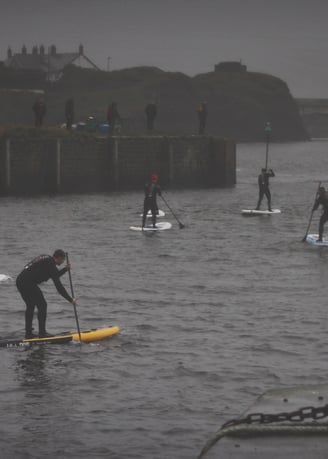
(285, 38)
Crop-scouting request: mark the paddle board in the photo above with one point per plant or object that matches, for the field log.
(253, 212)
(87, 336)
(5, 278)
(161, 213)
(313, 239)
(96, 334)
(160, 226)
(28, 342)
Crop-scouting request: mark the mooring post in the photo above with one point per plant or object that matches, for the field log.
(8, 166)
(58, 166)
(171, 162)
(267, 130)
(116, 165)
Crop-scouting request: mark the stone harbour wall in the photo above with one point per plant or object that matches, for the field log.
(67, 164)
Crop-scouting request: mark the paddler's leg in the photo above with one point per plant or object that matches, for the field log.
(27, 293)
(153, 214)
(144, 215)
(323, 219)
(261, 194)
(42, 314)
(268, 196)
(29, 320)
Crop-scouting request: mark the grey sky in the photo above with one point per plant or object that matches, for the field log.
(286, 38)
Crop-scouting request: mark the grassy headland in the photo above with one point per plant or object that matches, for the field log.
(239, 103)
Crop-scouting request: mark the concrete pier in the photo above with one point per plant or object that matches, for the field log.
(73, 164)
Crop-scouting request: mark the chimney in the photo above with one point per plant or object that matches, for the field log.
(24, 50)
(53, 50)
(41, 50)
(9, 53)
(81, 50)
(35, 50)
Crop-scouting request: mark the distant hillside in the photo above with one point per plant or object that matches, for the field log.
(239, 103)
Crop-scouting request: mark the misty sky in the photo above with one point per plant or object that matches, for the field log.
(285, 38)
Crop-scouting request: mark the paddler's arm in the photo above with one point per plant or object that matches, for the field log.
(64, 270)
(59, 286)
(54, 275)
(316, 204)
(61, 290)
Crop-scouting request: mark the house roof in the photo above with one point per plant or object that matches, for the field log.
(25, 61)
(49, 63)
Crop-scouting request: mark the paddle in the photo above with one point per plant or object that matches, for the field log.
(181, 225)
(267, 135)
(72, 292)
(311, 215)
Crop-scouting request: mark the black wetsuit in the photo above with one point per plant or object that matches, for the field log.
(151, 112)
(323, 200)
(39, 270)
(150, 203)
(202, 117)
(263, 181)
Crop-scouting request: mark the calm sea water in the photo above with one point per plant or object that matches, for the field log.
(211, 315)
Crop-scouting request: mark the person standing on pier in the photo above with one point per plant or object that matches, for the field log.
(113, 117)
(39, 108)
(151, 189)
(151, 112)
(322, 199)
(263, 181)
(69, 113)
(202, 117)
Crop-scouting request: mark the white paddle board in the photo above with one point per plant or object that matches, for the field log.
(158, 227)
(161, 213)
(313, 239)
(5, 278)
(253, 212)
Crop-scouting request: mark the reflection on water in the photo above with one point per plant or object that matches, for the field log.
(32, 368)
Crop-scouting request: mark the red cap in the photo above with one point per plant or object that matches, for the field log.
(154, 177)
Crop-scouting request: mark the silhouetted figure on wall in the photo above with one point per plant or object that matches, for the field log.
(202, 117)
(151, 112)
(39, 108)
(69, 113)
(112, 117)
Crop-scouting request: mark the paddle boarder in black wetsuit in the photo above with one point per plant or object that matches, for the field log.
(41, 269)
(150, 203)
(322, 199)
(263, 181)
